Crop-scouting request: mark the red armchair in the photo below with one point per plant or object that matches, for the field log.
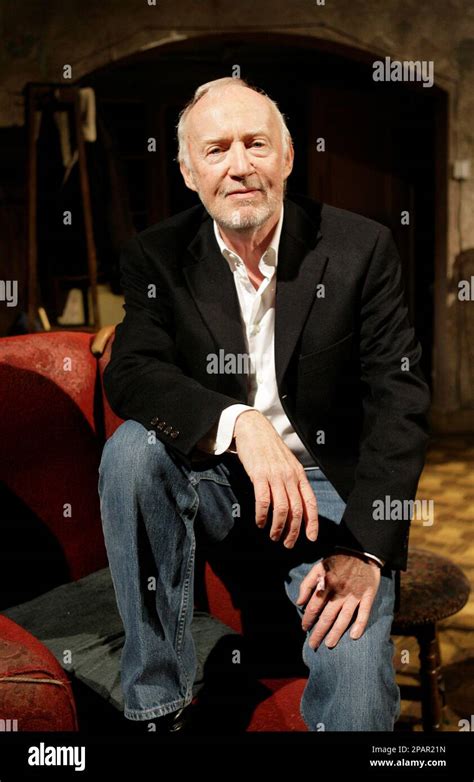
(54, 424)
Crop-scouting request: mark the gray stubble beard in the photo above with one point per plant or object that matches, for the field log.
(242, 222)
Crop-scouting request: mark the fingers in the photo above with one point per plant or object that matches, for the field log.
(313, 609)
(336, 618)
(325, 622)
(295, 514)
(363, 614)
(287, 511)
(262, 501)
(310, 510)
(291, 497)
(280, 506)
(287, 508)
(310, 582)
(341, 624)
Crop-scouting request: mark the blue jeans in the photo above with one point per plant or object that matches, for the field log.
(156, 513)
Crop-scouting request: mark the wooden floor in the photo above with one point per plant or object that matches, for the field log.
(448, 479)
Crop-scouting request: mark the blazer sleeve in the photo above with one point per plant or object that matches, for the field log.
(142, 380)
(396, 401)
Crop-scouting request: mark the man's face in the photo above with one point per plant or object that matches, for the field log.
(237, 162)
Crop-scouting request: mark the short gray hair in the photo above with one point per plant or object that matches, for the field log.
(210, 86)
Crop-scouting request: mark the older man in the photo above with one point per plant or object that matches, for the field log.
(265, 363)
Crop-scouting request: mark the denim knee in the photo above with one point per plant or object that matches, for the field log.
(132, 451)
(359, 696)
(352, 686)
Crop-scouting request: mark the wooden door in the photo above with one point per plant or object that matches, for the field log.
(356, 171)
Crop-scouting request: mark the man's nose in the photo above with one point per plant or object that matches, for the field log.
(239, 162)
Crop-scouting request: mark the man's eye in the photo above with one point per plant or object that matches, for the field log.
(213, 151)
(258, 143)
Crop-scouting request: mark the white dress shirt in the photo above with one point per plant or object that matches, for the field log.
(257, 308)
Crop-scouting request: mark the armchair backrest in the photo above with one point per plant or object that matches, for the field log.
(50, 446)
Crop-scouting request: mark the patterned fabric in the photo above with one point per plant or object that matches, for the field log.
(34, 690)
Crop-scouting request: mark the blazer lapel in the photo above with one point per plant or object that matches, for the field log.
(301, 265)
(212, 287)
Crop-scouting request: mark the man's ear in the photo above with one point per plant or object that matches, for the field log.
(187, 176)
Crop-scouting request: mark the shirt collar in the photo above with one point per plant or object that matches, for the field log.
(269, 257)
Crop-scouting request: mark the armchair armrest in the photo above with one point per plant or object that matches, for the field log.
(35, 692)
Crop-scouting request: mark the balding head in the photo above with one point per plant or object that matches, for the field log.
(213, 88)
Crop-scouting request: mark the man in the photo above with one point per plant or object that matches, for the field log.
(266, 343)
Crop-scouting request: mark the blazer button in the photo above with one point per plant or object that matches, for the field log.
(168, 430)
(161, 425)
(154, 421)
(174, 434)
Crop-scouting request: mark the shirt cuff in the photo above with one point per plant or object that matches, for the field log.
(365, 554)
(376, 559)
(225, 429)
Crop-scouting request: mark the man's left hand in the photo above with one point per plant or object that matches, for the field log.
(351, 585)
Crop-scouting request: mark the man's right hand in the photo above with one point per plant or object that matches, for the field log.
(278, 479)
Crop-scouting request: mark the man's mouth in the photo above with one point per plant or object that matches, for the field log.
(241, 193)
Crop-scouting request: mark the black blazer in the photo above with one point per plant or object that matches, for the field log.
(338, 353)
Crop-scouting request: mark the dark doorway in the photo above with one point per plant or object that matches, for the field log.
(380, 139)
